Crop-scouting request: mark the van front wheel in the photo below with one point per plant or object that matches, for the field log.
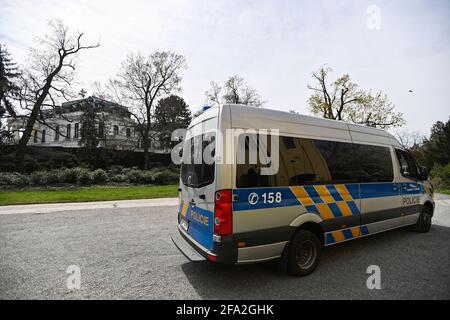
(304, 253)
(424, 222)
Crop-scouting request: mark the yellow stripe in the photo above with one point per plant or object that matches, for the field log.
(302, 195)
(345, 209)
(338, 236)
(324, 194)
(325, 211)
(343, 192)
(184, 209)
(355, 232)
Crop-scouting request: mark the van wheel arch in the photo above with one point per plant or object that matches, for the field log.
(314, 228)
(429, 205)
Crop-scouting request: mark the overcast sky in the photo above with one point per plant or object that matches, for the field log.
(273, 45)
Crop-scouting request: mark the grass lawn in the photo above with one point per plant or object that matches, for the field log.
(98, 193)
(444, 191)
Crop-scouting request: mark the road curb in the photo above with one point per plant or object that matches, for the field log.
(73, 206)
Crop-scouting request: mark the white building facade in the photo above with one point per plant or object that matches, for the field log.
(62, 127)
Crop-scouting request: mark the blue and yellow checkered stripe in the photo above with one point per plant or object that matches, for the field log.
(184, 208)
(329, 201)
(345, 234)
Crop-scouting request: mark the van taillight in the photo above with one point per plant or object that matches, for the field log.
(223, 213)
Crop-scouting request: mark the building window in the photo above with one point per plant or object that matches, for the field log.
(43, 136)
(116, 130)
(101, 130)
(77, 131)
(57, 133)
(35, 136)
(69, 131)
(128, 133)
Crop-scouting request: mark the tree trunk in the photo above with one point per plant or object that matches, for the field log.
(21, 148)
(145, 146)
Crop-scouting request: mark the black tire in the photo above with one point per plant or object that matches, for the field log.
(423, 224)
(304, 253)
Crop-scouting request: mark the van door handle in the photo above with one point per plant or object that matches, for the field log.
(202, 196)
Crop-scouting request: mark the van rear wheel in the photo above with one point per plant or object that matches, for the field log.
(304, 253)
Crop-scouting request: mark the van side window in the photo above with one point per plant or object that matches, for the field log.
(408, 166)
(338, 161)
(374, 163)
(302, 162)
(249, 164)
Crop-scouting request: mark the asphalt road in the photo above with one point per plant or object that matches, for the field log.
(126, 253)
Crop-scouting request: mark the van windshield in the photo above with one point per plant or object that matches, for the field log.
(198, 164)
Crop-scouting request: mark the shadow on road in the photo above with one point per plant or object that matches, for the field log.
(406, 259)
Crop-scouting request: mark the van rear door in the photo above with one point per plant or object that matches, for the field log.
(198, 182)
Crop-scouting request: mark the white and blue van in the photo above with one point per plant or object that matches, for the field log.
(334, 182)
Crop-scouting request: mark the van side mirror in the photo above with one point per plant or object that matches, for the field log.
(423, 173)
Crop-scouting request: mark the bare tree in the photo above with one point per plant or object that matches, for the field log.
(47, 78)
(409, 139)
(142, 81)
(234, 90)
(345, 100)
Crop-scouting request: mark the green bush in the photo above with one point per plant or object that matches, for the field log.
(164, 176)
(119, 178)
(39, 178)
(113, 170)
(83, 176)
(441, 176)
(133, 175)
(55, 176)
(99, 176)
(8, 179)
(69, 175)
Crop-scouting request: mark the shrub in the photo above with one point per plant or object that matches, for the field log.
(83, 176)
(99, 176)
(133, 175)
(146, 177)
(113, 170)
(55, 176)
(38, 178)
(69, 176)
(441, 176)
(164, 176)
(14, 179)
(119, 178)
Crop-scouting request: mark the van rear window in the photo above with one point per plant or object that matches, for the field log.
(197, 170)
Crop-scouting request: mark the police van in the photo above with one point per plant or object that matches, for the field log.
(333, 182)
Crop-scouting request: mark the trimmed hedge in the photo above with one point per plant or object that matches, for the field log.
(48, 158)
(84, 176)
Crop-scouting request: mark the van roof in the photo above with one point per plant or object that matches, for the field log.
(256, 117)
(259, 116)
